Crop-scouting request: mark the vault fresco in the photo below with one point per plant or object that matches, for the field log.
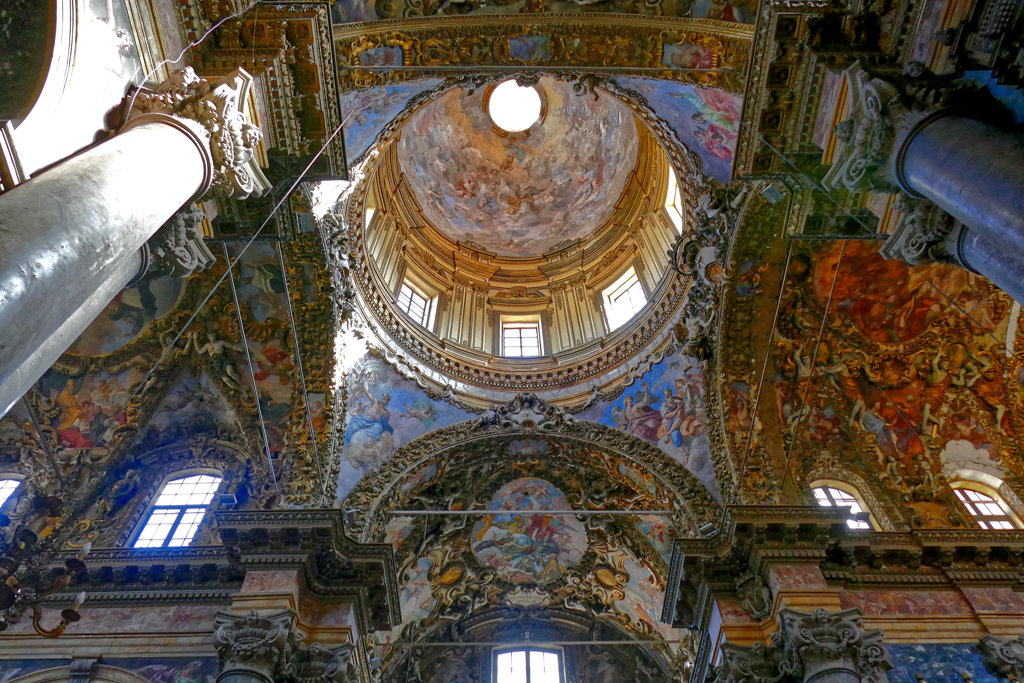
(911, 380)
(666, 409)
(526, 548)
(519, 194)
(706, 120)
(128, 315)
(385, 412)
(366, 112)
(346, 11)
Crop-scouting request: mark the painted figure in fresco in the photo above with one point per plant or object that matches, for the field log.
(214, 347)
(690, 56)
(716, 140)
(369, 436)
(421, 410)
(161, 673)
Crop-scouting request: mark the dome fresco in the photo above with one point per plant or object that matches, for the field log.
(519, 194)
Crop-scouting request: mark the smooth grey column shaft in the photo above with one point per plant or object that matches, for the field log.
(45, 355)
(972, 170)
(1002, 266)
(64, 234)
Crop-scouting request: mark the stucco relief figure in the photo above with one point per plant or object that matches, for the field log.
(369, 436)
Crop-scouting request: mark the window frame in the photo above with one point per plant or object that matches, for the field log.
(506, 321)
(428, 303)
(985, 490)
(673, 205)
(151, 506)
(620, 283)
(527, 648)
(851, 491)
(11, 476)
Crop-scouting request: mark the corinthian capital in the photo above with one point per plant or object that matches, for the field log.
(834, 641)
(178, 248)
(317, 664)
(1003, 656)
(253, 649)
(219, 108)
(924, 234)
(884, 113)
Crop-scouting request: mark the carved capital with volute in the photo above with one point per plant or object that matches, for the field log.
(254, 648)
(318, 664)
(178, 248)
(218, 107)
(1003, 656)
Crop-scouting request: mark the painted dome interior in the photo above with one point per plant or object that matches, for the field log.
(519, 194)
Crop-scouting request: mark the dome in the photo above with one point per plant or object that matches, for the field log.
(519, 194)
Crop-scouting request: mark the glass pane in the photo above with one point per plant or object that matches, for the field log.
(822, 498)
(544, 667)
(187, 528)
(196, 490)
(7, 487)
(512, 667)
(157, 527)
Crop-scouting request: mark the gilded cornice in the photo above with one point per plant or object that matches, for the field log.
(607, 45)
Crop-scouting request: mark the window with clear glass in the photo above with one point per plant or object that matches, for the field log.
(528, 665)
(674, 201)
(7, 487)
(833, 497)
(178, 512)
(414, 304)
(986, 510)
(520, 339)
(624, 299)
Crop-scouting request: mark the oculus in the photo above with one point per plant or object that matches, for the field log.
(514, 108)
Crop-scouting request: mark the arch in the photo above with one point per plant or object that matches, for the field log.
(378, 490)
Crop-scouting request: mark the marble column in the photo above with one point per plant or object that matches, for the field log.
(960, 179)
(71, 236)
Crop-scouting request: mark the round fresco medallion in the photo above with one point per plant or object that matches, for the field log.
(529, 548)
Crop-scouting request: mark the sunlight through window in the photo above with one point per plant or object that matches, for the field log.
(831, 497)
(413, 304)
(986, 510)
(528, 666)
(624, 299)
(513, 108)
(7, 487)
(674, 201)
(178, 512)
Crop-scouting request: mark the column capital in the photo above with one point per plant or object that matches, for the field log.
(810, 646)
(318, 664)
(1003, 656)
(885, 115)
(177, 248)
(829, 642)
(922, 234)
(219, 108)
(254, 648)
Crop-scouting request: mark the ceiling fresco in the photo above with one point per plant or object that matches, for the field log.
(457, 567)
(203, 385)
(367, 111)
(519, 194)
(346, 11)
(665, 407)
(706, 120)
(911, 381)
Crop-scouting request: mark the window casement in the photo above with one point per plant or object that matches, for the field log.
(623, 299)
(521, 337)
(674, 201)
(415, 304)
(178, 511)
(7, 488)
(528, 665)
(830, 496)
(987, 507)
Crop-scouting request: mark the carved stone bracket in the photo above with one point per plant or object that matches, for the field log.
(1003, 656)
(254, 648)
(219, 108)
(811, 646)
(924, 234)
(177, 248)
(318, 664)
